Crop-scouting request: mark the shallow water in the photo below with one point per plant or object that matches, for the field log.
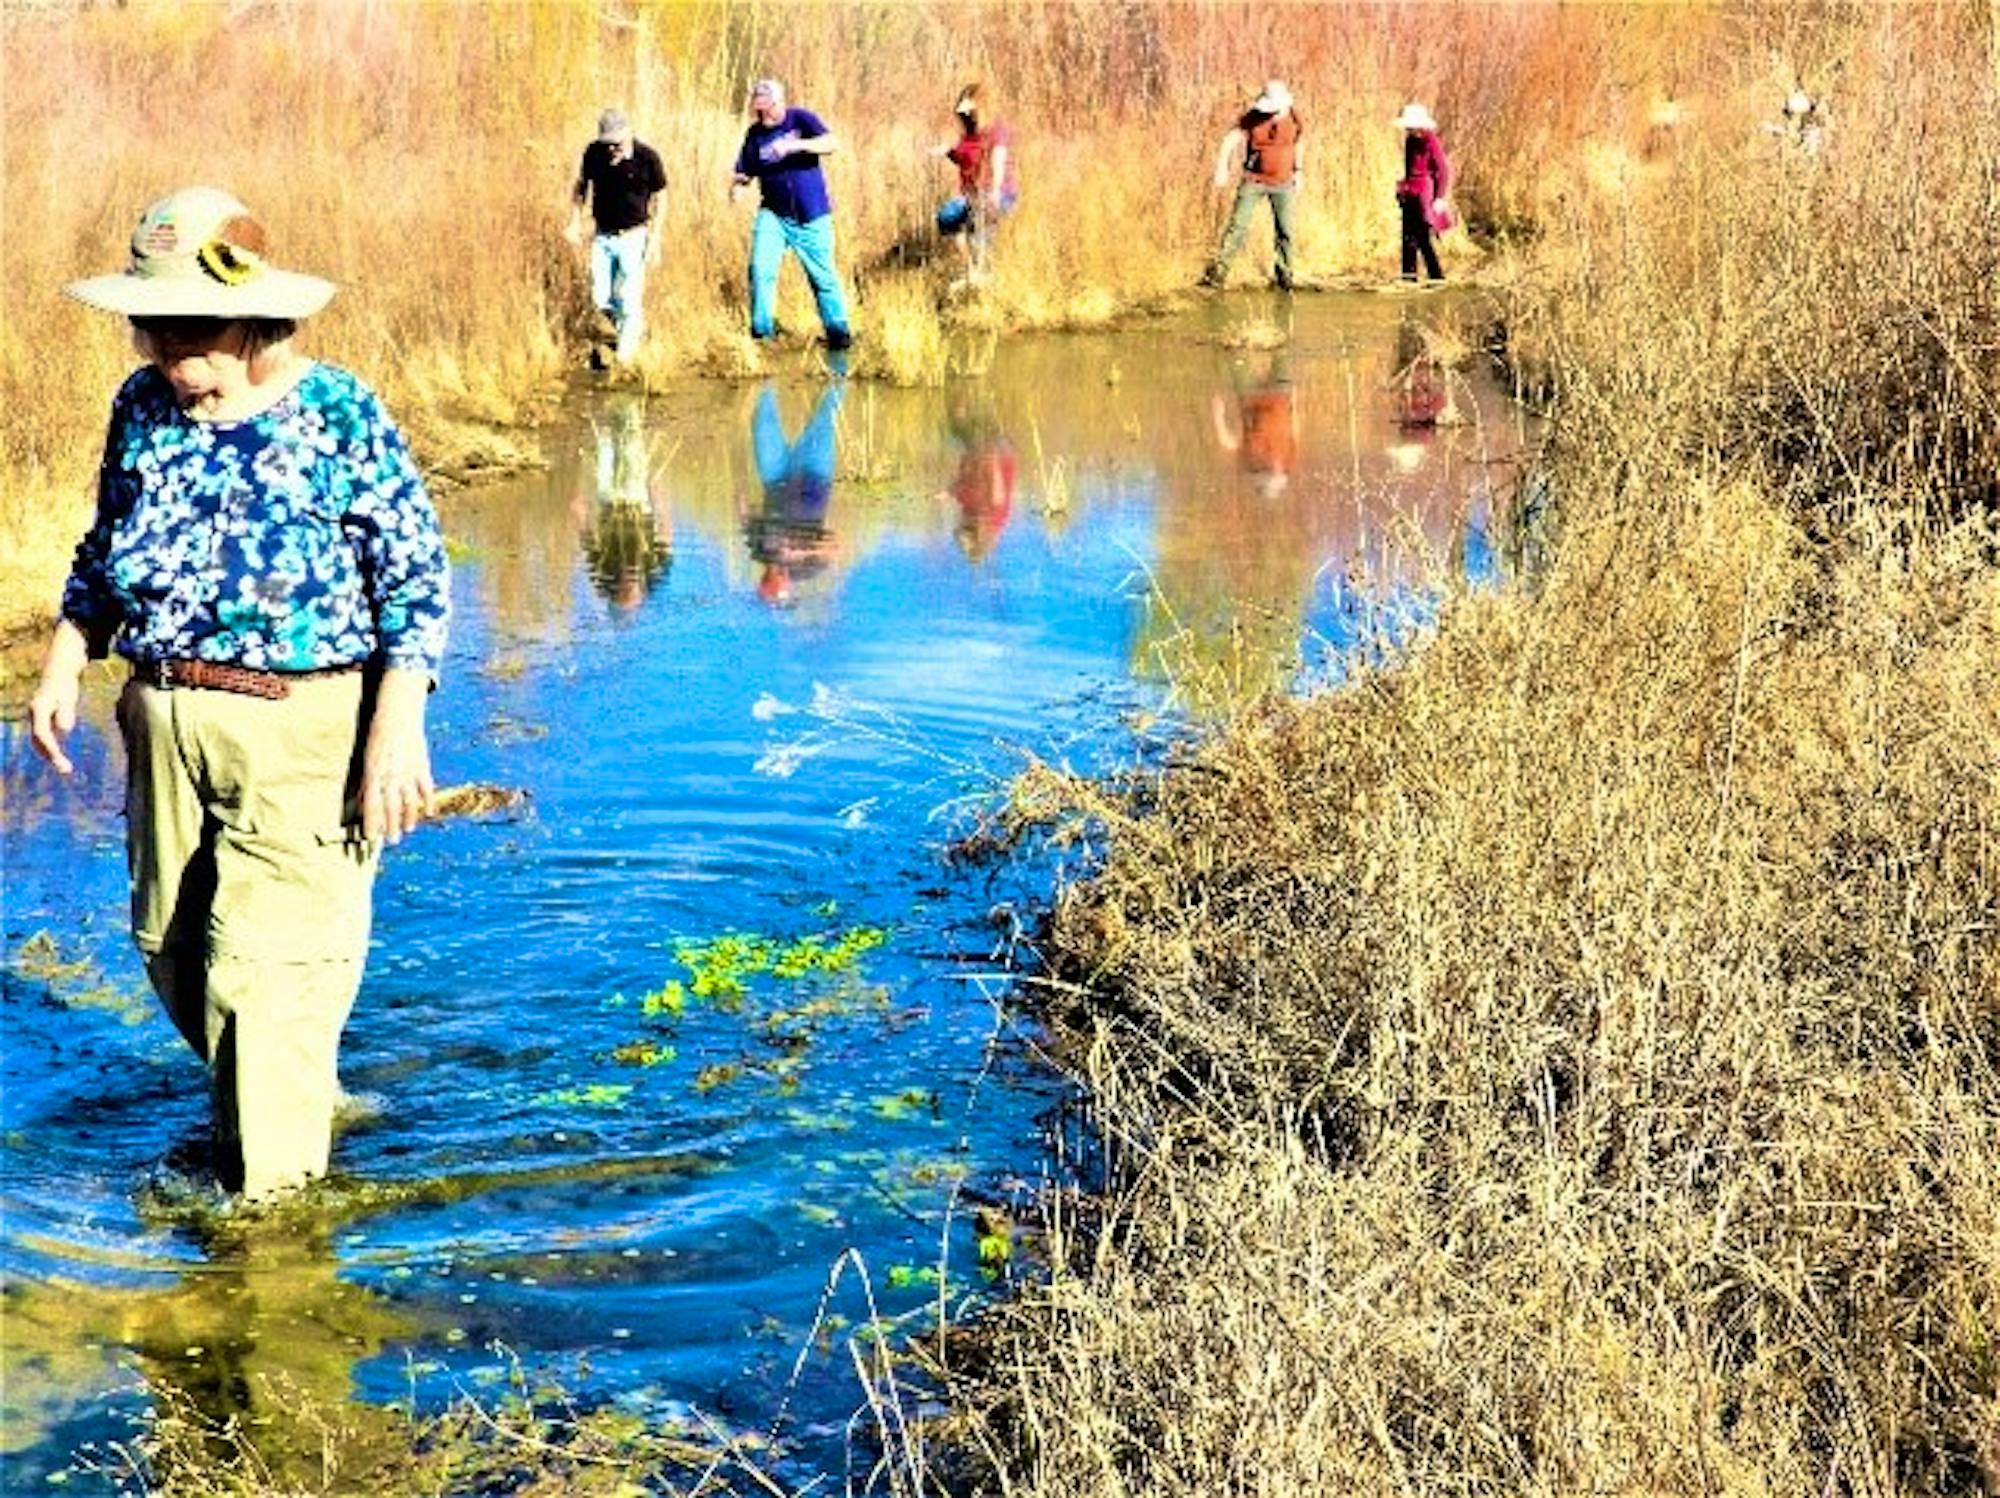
(754, 654)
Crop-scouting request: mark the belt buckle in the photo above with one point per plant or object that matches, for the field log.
(167, 676)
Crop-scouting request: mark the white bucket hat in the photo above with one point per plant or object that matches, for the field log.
(1416, 117)
(199, 252)
(1275, 99)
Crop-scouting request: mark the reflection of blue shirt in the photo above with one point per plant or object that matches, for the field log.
(297, 539)
(793, 186)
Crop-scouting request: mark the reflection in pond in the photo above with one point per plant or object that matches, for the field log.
(623, 516)
(983, 486)
(1265, 433)
(587, 1134)
(1423, 398)
(787, 532)
(261, 1335)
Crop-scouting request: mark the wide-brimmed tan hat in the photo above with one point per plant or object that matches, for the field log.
(199, 252)
(1416, 117)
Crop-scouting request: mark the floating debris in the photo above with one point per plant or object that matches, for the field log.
(476, 799)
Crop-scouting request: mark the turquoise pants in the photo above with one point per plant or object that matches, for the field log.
(813, 244)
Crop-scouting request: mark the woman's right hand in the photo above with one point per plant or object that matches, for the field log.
(52, 710)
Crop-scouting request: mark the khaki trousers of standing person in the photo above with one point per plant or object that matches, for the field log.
(251, 893)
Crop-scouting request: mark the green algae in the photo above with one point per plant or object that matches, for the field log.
(786, 990)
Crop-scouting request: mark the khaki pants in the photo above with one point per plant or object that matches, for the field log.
(251, 892)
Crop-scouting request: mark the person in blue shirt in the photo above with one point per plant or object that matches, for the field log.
(781, 152)
(266, 558)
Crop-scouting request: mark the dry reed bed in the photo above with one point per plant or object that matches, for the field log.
(1570, 1061)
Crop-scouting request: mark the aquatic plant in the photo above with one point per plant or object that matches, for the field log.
(75, 982)
(589, 1095)
(644, 1053)
(720, 968)
(785, 990)
(478, 800)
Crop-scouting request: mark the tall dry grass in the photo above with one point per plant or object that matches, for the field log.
(1569, 1061)
(421, 154)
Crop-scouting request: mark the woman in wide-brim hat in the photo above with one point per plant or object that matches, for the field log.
(266, 558)
(1421, 199)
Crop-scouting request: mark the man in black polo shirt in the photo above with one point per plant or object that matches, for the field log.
(621, 176)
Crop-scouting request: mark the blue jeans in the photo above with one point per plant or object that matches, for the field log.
(618, 284)
(813, 244)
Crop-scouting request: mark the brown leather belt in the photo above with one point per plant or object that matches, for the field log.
(213, 676)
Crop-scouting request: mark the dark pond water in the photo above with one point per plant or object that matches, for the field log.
(755, 654)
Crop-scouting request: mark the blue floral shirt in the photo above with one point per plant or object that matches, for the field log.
(298, 539)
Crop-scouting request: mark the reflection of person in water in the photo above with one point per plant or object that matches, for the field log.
(1422, 393)
(788, 534)
(258, 1342)
(983, 487)
(627, 536)
(1265, 436)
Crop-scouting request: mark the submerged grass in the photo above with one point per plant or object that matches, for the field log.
(529, 1437)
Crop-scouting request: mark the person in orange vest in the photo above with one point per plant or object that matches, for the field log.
(1261, 154)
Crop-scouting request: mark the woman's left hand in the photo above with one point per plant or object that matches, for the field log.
(397, 792)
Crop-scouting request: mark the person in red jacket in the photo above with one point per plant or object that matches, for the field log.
(1421, 194)
(988, 178)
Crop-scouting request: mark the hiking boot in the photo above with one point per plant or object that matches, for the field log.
(1213, 278)
(1283, 281)
(838, 339)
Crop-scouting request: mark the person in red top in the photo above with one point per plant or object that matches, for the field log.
(1420, 195)
(988, 179)
(1261, 153)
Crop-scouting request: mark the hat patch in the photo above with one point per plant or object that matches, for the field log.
(162, 237)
